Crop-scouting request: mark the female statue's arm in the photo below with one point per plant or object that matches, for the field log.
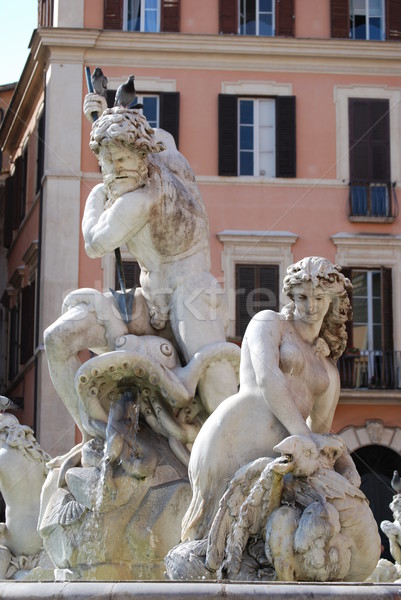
(321, 416)
(320, 420)
(263, 338)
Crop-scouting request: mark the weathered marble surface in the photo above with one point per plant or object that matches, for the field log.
(112, 507)
(385, 569)
(393, 529)
(116, 524)
(289, 385)
(22, 474)
(149, 201)
(291, 518)
(106, 590)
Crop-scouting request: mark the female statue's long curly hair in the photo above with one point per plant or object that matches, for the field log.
(321, 272)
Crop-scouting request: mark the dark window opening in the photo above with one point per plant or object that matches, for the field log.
(375, 465)
(257, 288)
(371, 191)
(132, 272)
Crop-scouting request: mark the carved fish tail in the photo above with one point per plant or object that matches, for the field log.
(218, 533)
(236, 544)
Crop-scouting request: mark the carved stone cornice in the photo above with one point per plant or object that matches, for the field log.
(30, 257)
(188, 51)
(17, 277)
(232, 52)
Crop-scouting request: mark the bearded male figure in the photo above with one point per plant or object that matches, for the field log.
(149, 201)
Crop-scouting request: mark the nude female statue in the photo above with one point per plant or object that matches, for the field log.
(289, 385)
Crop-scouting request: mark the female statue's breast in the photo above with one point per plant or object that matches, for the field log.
(292, 360)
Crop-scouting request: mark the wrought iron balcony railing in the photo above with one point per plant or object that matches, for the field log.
(376, 201)
(374, 369)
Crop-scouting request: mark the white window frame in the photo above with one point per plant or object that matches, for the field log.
(253, 247)
(258, 13)
(370, 252)
(257, 102)
(367, 15)
(341, 96)
(369, 305)
(142, 16)
(140, 98)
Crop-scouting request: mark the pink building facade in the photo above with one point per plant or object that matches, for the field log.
(289, 112)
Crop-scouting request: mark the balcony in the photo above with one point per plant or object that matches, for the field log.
(370, 370)
(374, 202)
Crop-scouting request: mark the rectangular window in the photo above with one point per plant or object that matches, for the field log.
(132, 273)
(367, 308)
(256, 135)
(369, 156)
(45, 13)
(371, 200)
(9, 208)
(142, 15)
(161, 110)
(369, 360)
(256, 17)
(257, 288)
(40, 160)
(13, 342)
(151, 109)
(27, 336)
(20, 189)
(380, 17)
(367, 20)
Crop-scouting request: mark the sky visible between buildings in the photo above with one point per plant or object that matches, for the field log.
(17, 22)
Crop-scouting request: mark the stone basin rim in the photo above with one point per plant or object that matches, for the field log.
(185, 590)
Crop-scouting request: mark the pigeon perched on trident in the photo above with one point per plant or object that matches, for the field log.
(126, 94)
(99, 82)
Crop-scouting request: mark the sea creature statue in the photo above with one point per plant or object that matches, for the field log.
(140, 409)
(166, 390)
(293, 518)
(23, 472)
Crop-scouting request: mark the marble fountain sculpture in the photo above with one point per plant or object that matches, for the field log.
(386, 571)
(113, 507)
(159, 398)
(300, 516)
(23, 472)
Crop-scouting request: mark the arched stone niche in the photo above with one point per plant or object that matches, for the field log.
(373, 432)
